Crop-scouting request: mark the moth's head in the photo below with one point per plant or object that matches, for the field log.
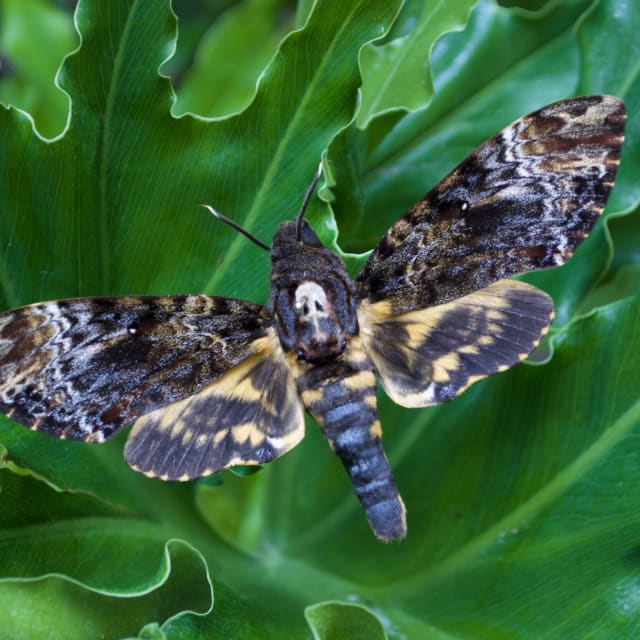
(286, 241)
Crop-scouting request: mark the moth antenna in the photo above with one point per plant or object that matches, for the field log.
(305, 202)
(237, 227)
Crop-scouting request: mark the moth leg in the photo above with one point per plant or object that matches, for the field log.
(340, 395)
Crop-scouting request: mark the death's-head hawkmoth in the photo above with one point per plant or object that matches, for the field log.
(212, 382)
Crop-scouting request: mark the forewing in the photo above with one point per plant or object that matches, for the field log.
(522, 201)
(432, 355)
(83, 368)
(250, 415)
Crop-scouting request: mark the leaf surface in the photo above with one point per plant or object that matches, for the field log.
(521, 494)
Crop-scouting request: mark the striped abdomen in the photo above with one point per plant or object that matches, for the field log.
(340, 395)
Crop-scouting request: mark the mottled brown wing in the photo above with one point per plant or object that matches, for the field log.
(522, 201)
(83, 368)
(250, 415)
(431, 355)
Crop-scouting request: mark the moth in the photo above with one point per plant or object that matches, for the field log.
(213, 382)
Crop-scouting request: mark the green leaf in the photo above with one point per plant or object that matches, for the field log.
(34, 38)
(521, 493)
(336, 620)
(396, 74)
(231, 56)
(60, 552)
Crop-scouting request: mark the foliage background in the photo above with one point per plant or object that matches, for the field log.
(522, 494)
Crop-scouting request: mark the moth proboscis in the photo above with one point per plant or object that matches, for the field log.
(212, 382)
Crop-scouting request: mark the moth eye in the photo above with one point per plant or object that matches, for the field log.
(132, 329)
(299, 307)
(464, 205)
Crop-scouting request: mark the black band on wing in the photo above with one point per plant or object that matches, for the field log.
(430, 356)
(251, 415)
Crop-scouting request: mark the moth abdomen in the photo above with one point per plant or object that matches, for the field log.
(360, 451)
(340, 395)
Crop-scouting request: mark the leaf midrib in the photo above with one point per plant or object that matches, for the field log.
(238, 241)
(105, 245)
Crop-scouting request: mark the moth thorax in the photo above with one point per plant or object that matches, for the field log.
(319, 334)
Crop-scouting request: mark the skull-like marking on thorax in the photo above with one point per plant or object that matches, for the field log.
(319, 335)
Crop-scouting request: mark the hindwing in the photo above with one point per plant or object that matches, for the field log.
(82, 369)
(522, 201)
(431, 355)
(250, 415)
